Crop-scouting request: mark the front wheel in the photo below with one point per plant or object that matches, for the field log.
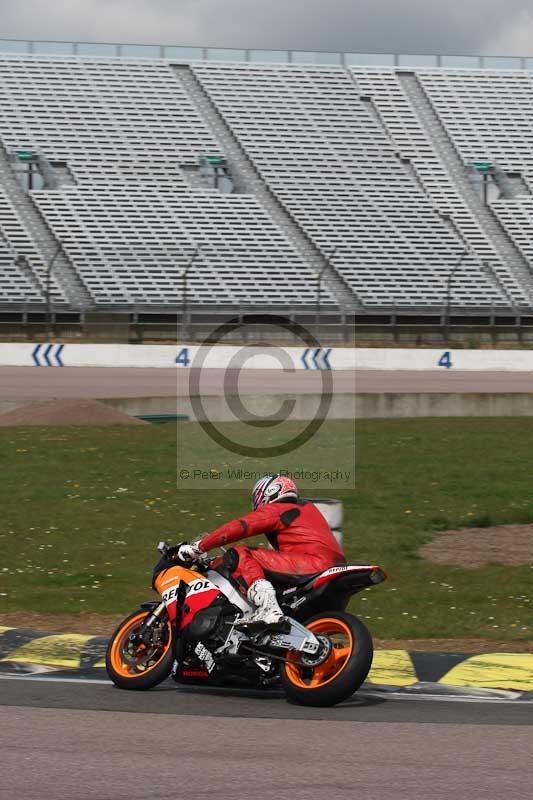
(348, 652)
(137, 659)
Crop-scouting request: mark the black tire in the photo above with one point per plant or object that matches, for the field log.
(351, 673)
(122, 671)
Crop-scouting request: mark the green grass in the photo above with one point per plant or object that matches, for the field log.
(82, 510)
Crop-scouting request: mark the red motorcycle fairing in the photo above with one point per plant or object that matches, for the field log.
(200, 592)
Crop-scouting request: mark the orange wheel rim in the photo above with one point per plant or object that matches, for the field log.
(133, 660)
(340, 636)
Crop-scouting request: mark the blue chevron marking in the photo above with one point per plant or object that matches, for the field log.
(47, 353)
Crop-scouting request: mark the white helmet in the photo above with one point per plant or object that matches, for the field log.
(271, 488)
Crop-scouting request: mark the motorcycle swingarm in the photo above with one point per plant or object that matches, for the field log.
(298, 638)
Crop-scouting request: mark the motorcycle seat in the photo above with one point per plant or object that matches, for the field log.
(286, 580)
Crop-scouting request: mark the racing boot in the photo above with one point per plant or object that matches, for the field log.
(263, 595)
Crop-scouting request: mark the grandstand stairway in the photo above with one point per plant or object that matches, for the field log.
(246, 179)
(18, 283)
(502, 244)
(26, 270)
(66, 285)
(488, 268)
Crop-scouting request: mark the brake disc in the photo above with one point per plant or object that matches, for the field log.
(322, 653)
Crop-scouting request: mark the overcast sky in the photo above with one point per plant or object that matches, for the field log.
(499, 27)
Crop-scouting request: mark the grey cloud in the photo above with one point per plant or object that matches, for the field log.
(515, 37)
(455, 26)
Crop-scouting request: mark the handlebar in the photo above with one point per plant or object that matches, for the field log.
(172, 553)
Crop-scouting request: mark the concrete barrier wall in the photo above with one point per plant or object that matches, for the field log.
(219, 408)
(343, 406)
(179, 356)
(240, 357)
(426, 360)
(425, 404)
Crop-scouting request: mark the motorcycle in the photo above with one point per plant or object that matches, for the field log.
(199, 633)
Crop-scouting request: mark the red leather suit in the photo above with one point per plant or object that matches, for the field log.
(302, 540)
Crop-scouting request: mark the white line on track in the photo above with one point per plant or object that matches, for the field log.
(444, 698)
(364, 693)
(6, 677)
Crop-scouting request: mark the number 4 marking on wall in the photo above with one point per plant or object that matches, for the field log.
(183, 357)
(445, 360)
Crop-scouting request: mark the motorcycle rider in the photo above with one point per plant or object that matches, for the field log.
(302, 540)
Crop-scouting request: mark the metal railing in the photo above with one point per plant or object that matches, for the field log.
(423, 330)
(182, 53)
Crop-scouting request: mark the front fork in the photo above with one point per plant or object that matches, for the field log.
(154, 616)
(141, 635)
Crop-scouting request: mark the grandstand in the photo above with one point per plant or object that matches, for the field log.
(180, 185)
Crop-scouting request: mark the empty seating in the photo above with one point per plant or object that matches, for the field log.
(343, 150)
(131, 244)
(19, 242)
(98, 112)
(486, 113)
(322, 152)
(437, 179)
(126, 130)
(516, 216)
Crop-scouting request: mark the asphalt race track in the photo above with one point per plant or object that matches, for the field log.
(442, 381)
(31, 383)
(64, 739)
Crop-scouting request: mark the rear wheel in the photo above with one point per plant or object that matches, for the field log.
(347, 653)
(137, 659)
